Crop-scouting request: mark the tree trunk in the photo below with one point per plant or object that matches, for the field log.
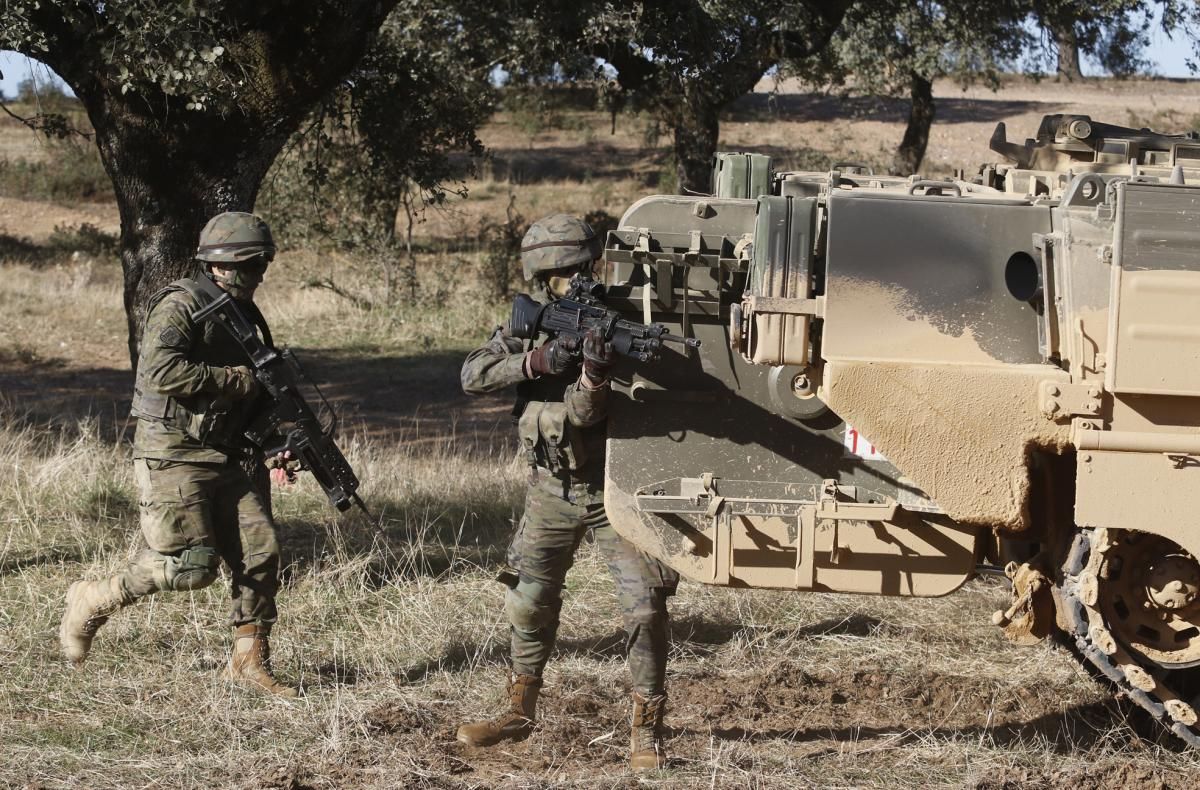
(172, 167)
(911, 152)
(1068, 54)
(694, 145)
(169, 179)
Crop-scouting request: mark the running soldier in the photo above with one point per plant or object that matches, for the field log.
(193, 394)
(562, 404)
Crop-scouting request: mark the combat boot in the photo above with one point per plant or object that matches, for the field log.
(515, 723)
(89, 605)
(250, 665)
(646, 733)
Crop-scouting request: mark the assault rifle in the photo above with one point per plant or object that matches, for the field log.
(287, 415)
(583, 309)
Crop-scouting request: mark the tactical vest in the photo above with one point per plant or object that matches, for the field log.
(548, 438)
(211, 420)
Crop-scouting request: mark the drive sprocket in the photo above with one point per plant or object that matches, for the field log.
(1131, 604)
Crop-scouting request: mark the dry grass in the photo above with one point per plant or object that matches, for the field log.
(69, 310)
(394, 626)
(396, 630)
(398, 635)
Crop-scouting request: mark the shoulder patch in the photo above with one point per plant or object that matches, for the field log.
(170, 337)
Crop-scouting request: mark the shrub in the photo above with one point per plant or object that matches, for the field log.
(72, 173)
(86, 238)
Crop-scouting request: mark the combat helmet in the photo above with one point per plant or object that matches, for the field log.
(235, 237)
(559, 241)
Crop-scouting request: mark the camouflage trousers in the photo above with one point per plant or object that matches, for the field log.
(192, 516)
(543, 550)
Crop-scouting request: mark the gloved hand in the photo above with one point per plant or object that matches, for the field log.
(240, 383)
(598, 357)
(554, 358)
(283, 468)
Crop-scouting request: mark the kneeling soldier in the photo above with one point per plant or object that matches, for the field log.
(562, 405)
(199, 505)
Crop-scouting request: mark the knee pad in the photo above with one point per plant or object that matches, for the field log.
(190, 569)
(532, 606)
(649, 611)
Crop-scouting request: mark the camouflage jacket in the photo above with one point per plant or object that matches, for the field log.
(500, 363)
(180, 392)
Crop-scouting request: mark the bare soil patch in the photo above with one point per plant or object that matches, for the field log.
(34, 221)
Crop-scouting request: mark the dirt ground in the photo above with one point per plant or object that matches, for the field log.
(767, 689)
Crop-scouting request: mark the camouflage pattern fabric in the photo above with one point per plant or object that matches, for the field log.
(187, 363)
(184, 506)
(543, 550)
(498, 363)
(199, 494)
(235, 237)
(560, 508)
(559, 241)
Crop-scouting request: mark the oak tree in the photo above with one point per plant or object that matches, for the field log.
(689, 59)
(191, 101)
(683, 60)
(389, 140)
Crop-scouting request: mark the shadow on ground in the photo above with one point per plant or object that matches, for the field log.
(589, 162)
(1070, 731)
(419, 537)
(414, 399)
(51, 393)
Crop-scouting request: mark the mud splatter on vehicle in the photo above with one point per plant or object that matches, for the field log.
(1018, 351)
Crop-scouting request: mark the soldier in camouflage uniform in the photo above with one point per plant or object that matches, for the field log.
(199, 504)
(563, 394)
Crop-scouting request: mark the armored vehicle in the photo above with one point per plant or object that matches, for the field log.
(900, 379)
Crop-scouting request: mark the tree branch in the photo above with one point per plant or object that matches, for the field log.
(49, 124)
(67, 40)
(328, 284)
(830, 13)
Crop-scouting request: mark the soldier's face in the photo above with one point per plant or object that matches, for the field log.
(558, 284)
(243, 280)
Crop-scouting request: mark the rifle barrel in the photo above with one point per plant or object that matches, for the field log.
(690, 342)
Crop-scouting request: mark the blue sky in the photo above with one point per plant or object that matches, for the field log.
(1169, 57)
(15, 68)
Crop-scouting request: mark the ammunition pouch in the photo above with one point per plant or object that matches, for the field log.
(549, 439)
(532, 606)
(205, 419)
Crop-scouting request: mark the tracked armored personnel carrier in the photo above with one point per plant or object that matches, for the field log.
(901, 378)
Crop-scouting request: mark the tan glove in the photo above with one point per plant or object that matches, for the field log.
(240, 383)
